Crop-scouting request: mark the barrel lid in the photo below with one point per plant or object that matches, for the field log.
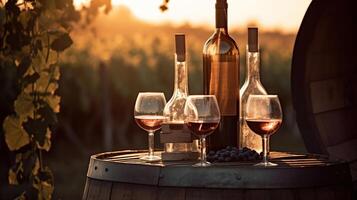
(294, 171)
(323, 77)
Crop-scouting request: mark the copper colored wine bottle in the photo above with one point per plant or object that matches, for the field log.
(221, 78)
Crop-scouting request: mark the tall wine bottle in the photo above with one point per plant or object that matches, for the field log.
(177, 138)
(252, 85)
(221, 78)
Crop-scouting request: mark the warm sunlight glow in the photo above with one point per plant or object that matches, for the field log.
(270, 14)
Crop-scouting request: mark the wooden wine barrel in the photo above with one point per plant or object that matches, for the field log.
(324, 79)
(122, 175)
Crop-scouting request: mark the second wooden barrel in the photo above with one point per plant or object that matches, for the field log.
(324, 79)
(122, 175)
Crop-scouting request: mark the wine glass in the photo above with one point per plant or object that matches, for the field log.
(148, 114)
(202, 117)
(264, 117)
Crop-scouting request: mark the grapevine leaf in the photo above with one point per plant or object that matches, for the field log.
(23, 66)
(46, 142)
(47, 114)
(29, 79)
(18, 157)
(16, 173)
(44, 184)
(42, 82)
(46, 190)
(37, 128)
(11, 7)
(38, 45)
(61, 43)
(52, 87)
(54, 70)
(54, 102)
(15, 135)
(36, 167)
(24, 18)
(13, 177)
(163, 8)
(26, 49)
(46, 175)
(38, 62)
(21, 197)
(52, 57)
(24, 106)
(29, 162)
(14, 41)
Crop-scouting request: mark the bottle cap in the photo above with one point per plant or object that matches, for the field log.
(180, 47)
(253, 39)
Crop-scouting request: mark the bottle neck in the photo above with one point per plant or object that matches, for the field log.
(181, 78)
(253, 65)
(221, 19)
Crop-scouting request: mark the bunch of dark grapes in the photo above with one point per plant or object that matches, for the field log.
(233, 154)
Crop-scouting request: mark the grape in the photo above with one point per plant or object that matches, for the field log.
(253, 152)
(226, 154)
(240, 157)
(227, 159)
(211, 153)
(229, 154)
(232, 154)
(245, 149)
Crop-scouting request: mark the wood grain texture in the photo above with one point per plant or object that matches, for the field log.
(307, 194)
(257, 195)
(133, 191)
(324, 87)
(99, 190)
(171, 193)
(124, 191)
(326, 193)
(202, 194)
(283, 194)
(123, 176)
(86, 188)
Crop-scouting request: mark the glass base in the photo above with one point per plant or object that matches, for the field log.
(202, 164)
(151, 158)
(266, 164)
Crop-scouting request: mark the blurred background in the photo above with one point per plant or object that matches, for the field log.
(131, 49)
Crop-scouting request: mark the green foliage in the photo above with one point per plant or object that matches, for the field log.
(164, 5)
(33, 33)
(15, 137)
(61, 43)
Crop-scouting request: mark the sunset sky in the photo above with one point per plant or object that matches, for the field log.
(270, 14)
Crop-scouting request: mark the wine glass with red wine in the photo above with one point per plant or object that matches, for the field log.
(264, 117)
(148, 114)
(202, 117)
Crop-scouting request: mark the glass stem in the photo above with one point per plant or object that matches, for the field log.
(151, 143)
(265, 139)
(203, 150)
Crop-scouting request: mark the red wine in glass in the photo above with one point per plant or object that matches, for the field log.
(149, 122)
(202, 128)
(148, 114)
(264, 126)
